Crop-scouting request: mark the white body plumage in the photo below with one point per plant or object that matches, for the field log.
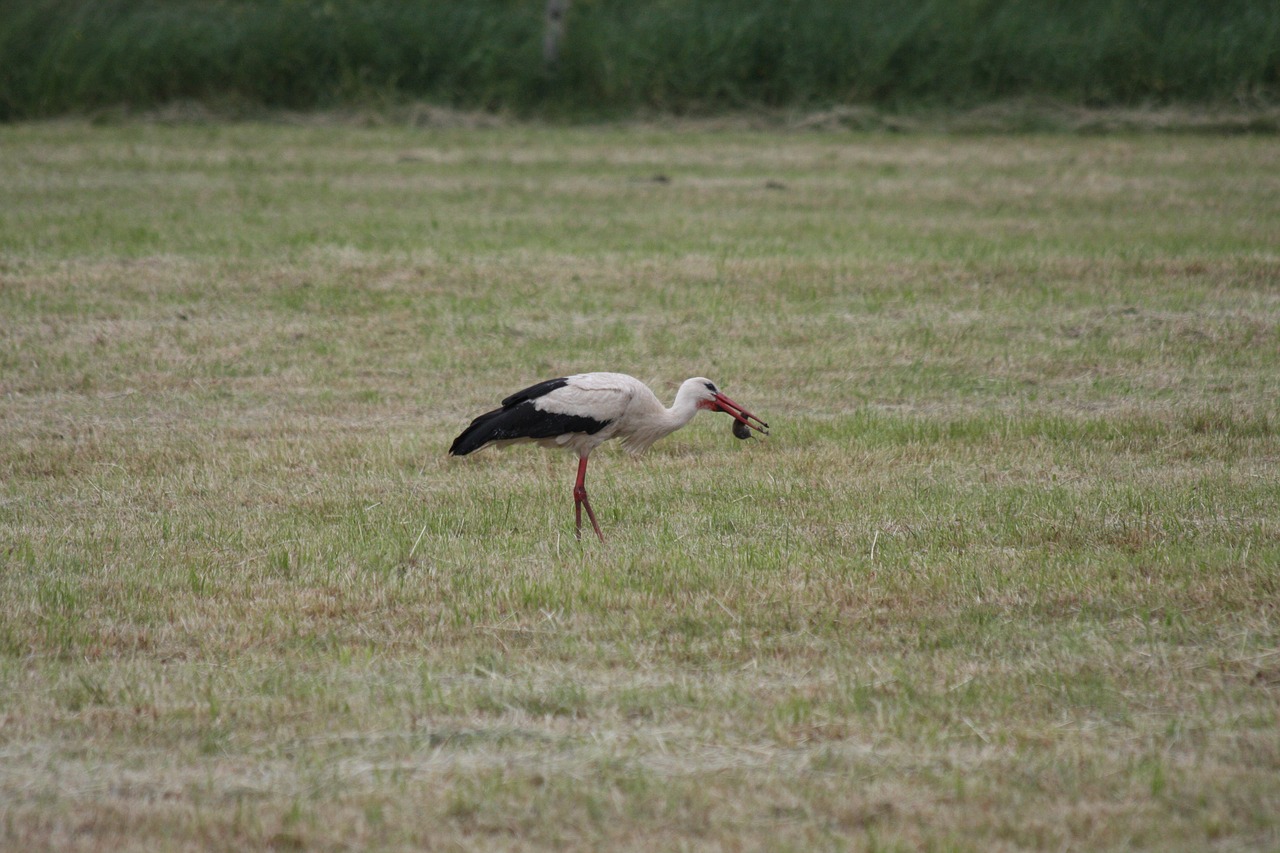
(626, 406)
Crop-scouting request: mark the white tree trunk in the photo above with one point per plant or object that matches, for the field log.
(554, 33)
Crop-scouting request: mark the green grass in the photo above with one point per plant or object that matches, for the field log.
(1003, 577)
(689, 56)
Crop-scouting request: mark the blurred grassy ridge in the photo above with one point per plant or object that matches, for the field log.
(682, 56)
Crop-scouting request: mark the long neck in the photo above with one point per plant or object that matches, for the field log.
(659, 422)
(682, 410)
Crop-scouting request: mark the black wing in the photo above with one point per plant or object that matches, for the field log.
(520, 418)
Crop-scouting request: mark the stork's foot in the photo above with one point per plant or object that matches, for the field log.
(579, 501)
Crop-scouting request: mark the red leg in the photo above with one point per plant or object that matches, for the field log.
(580, 500)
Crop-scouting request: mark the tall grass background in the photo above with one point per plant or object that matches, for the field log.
(681, 56)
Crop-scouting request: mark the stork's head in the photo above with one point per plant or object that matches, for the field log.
(708, 396)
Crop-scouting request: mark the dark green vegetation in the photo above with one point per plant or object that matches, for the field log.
(63, 56)
(1004, 577)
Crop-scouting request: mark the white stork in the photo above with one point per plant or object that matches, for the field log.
(583, 411)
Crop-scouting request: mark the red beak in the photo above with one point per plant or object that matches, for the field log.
(741, 415)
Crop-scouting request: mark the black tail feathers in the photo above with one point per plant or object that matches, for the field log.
(477, 435)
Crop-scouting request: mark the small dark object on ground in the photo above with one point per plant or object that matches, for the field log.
(741, 430)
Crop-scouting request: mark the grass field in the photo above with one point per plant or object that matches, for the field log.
(1004, 577)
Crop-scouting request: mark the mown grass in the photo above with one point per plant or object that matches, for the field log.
(1004, 576)
(692, 56)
